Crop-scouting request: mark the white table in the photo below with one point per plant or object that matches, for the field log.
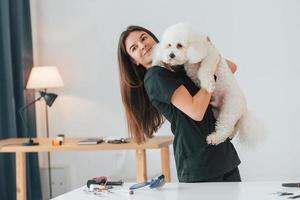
(190, 191)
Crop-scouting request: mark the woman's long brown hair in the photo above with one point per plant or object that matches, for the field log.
(142, 117)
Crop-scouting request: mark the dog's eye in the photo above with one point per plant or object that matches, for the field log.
(169, 45)
(179, 46)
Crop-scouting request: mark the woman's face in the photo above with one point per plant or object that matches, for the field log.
(139, 46)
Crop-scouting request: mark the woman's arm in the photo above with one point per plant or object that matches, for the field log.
(193, 106)
(231, 65)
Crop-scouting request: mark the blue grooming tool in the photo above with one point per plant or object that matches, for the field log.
(154, 183)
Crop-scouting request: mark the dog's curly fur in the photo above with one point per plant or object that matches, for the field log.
(182, 45)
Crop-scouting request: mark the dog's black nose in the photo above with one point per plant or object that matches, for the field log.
(172, 55)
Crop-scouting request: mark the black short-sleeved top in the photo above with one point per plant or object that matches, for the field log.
(195, 159)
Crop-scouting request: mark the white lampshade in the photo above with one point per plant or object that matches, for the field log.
(44, 77)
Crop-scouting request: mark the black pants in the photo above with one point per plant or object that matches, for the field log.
(232, 176)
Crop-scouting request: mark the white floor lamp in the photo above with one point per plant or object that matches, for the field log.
(41, 78)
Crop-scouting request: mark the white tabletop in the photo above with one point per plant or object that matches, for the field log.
(190, 191)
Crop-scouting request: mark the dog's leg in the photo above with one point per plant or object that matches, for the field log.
(191, 71)
(227, 119)
(208, 67)
(216, 102)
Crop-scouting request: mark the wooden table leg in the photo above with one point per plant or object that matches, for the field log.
(21, 175)
(165, 163)
(141, 165)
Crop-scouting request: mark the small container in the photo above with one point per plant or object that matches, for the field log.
(61, 138)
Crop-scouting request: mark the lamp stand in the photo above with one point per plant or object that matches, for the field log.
(49, 160)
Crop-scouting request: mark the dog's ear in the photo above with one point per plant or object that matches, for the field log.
(157, 55)
(197, 50)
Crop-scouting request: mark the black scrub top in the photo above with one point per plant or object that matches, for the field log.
(195, 159)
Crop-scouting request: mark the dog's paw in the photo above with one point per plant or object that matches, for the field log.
(211, 86)
(215, 139)
(208, 85)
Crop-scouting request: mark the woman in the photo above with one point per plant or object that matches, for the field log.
(151, 92)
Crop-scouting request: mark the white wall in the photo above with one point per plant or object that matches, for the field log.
(80, 37)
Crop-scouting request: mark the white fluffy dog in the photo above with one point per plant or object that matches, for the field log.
(182, 45)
